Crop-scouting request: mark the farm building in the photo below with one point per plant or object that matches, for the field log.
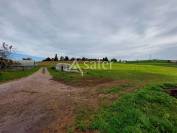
(22, 65)
(62, 67)
(27, 63)
(173, 61)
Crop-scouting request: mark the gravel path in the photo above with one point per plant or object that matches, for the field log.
(36, 104)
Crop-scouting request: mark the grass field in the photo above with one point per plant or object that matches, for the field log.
(141, 104)
(147, 110)
(11, 75)
(139, 73)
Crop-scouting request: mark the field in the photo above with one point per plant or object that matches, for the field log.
(147, 73)
(132, 97)
(11, 75)
(119, 97)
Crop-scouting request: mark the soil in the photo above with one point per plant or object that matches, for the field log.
(86, 82)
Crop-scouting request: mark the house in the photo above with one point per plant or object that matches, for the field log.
(22, 65)
(63, 67)
(27, 63)
(66, 67)
(173, 61)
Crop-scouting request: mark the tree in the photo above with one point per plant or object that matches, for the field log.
(56, 57)
(72, 59)
(84, 59)
(5, 50)
(78, 59)
(113, 60)
(66, 58)
(62, 58)
(105, 59)
(47, 59)
(28, 58)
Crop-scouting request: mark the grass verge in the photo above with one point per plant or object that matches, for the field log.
(11, 75)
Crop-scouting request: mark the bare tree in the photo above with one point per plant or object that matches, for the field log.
(5, 50)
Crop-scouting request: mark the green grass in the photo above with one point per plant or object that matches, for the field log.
(68, 78)
(11, 75)
(83, 113)
(146, 110)
(117, 89)
(154, 62)
(158, 64)
(110, 90)
(145, 73)
(137, 75)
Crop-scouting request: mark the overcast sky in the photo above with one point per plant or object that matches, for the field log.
(126, 29)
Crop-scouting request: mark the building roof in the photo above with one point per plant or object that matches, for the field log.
(26, 63)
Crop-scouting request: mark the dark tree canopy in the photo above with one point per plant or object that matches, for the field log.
(62, 58)
(113, 60)
(105, 59)
(56, 57)
(66, 58)
(47, 59)
(72, 59)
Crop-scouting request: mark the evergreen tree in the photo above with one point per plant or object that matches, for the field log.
(47, 59)
(62, 58)
(56, 57)
(113, 60)
(105, 59)
(66, 58)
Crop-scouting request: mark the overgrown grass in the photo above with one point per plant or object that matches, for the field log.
(146, 110)
(154, 63)
(149, 109)
(118, 88)
(68, 78)
(11, 75)
(110, 90)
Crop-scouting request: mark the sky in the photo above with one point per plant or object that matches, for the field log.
(122, 29)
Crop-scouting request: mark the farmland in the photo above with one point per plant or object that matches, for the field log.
(123, 97)
(149, 73)
(130, 97)
(87, 66)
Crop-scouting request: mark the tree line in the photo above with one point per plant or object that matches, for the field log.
(66, 58)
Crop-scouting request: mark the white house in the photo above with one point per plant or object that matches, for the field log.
(66, 67)
(173, 61)
(27, 63)
(63, 67)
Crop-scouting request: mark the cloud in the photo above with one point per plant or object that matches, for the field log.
(93, 28)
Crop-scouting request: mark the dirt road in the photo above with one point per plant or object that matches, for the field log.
(36, 104)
